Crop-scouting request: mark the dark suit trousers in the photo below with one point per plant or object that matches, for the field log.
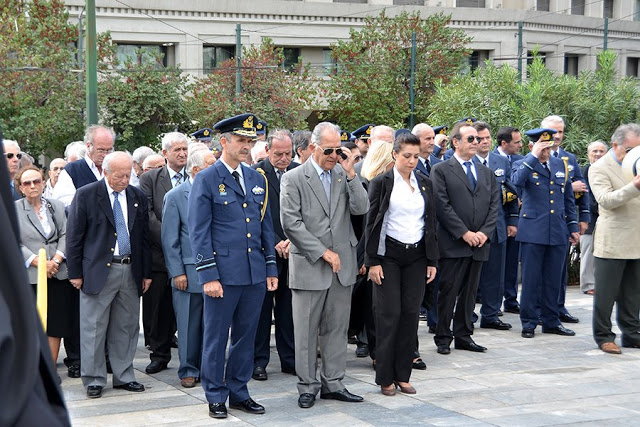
(277, 302)
(511, 273)
(158, 317)
(617, 280)
(562, 294)
(397, 302)
(458, 286)
(362, 312)
(492, 283)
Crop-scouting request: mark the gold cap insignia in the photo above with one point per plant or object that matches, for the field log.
(259, 125)
(369, 129)
(545, 136)
(206, 132)
(248, 124)
(344, 137)
(469, 121)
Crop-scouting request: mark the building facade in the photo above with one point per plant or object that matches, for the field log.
(198, 35)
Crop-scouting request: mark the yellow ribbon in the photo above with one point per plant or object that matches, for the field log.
(266, 194)
(42, 288)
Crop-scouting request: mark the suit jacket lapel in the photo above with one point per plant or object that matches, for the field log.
(318, 190)
(105, 203)
(33, 217)
(165, 179)
(336, 183)
(132, 206)
(422, 187)
(457, 169)
(272, 177)
(186, 189)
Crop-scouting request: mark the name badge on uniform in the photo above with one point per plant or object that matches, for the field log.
(499, 172)
(559, 175)
(257, 190)
(534, 175)
(222, 189)
(570, 168)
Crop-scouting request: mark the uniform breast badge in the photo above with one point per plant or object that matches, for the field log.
(499, 172)
(257, 190)
(222, 189)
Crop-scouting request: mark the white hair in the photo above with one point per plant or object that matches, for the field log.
(195, 159)
(419, 128)
(141, 153)
(91, 131)
(549, 120)
(382, 132)
(196, 146)
(116, 155)
(172, 137)
(593, 145)
(12, 143)
(316, 135)
(256, 149)
(79, 148)
(150, 158)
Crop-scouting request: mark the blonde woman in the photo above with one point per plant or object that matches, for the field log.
(379, 160)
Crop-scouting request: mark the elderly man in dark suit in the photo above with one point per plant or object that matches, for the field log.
(12, 155)
(316, 204)
(280, 152)
(108, 258)
(157, 309)
(187, 293)
(467, 199)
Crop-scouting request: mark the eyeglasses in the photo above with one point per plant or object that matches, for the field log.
(30, 183)
(329, 151)
(102, 150)
(56, 169)
(471, 139)
(10, 155)
(627, 149)
(356, 159)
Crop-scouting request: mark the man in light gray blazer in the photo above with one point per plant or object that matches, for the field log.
(186, 290)
(316, 201)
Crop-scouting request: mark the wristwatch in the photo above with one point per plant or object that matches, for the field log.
(55, 260)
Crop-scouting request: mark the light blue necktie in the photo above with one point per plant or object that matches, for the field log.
(327, 185)
(124, 245)
(472, 179)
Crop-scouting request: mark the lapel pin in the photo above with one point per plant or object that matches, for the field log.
(135, 205)
(339, 179)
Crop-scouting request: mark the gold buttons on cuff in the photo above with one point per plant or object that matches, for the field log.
(244, 205)
(551, 183)
(248, 220)
(248, 234)
(552, 211)
(551, 192)
(551, 201)
(249, 250)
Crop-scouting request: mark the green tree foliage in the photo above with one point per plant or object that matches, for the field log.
(42, 99)
(276, 94)
(592, 104)
(372, 79)
(143, 100)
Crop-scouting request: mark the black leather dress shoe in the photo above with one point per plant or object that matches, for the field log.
(73, 371)
(567, 318)
(559, 330)
(289, 370)
(259, 374)
(132, 386)
(155, 366)
(306, 400)
(249, 406)
(217, 410)
(515, 309)
(471, 346)
(432, 329)
(362, 350)
(496, 324)
(343, 396)
(528, 333)
(94, 391)
(500, 313)
(444, 349)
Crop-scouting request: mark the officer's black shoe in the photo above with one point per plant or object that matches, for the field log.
(528, 333)
(94, 391)
(444, 349)
(470, 346)
(259, 374)
(217, 410)
(306, 400)
(567, 318)
(515, 309)
(74, 371)
(559, 330)
(249, 406)
(362, 350)
(496, 324)
(155, 366)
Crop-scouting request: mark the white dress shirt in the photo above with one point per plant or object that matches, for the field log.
(65, 189)
(464, 168)
(404, 220)
(172, 176)
(482, 160)
(231, 171)
(122, 198)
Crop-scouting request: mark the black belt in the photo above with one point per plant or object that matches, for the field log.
(404, 245)
(124, 259)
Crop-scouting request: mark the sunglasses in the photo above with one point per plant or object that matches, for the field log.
(30, 183)
(329, 151)
(10, 155)
(471, 139)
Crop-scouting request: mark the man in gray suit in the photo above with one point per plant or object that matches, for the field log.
(316, 201)
(187, 293)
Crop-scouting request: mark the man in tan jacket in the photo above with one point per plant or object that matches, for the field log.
(615, 244)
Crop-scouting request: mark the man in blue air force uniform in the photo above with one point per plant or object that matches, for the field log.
(233, 243)
(547, 223)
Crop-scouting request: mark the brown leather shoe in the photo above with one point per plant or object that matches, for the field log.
(188, 382)
(406, 389)
(610, 347)
(389, 390)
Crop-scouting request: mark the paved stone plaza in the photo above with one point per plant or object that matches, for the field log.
(548, 380)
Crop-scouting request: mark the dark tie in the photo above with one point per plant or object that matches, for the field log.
(555, 153)
(472, 179)
(124, 246)
(236, 175)
(509, 157)
(484, 162)
(279, 174)
(427, 164)
(178, 177)
(546, 166)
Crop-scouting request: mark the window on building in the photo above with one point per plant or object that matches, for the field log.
(350, 1)
(470, 3)
(571, 65)
(636, 11)
(541, 55)
(542, 5)
(141, 54)
(607, 11)
(213, 56)
(291, 56)
(408, 2)
(577, 7)
(633, 67)
(329, 67)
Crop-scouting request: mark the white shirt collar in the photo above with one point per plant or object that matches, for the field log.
(482, 159)
(317, 167)
(502, 153)
(231, 170)
(111, 190)
(461, 161)
(173, 173)
(412, 178)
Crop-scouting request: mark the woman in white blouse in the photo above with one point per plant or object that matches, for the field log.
(43, 225)
(401, 253)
